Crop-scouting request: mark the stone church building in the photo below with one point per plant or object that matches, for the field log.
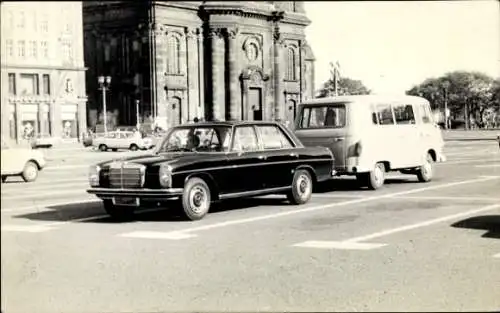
(215, 60)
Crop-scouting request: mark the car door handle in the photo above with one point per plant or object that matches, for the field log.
(293, 155)
(262, 157)
(338, 139)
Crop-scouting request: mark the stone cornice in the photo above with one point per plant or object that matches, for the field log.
(44, 67)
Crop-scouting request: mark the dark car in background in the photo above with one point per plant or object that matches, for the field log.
(211, 161)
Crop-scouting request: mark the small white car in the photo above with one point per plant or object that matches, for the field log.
(122, 140)
(44, 141)
(23, 162)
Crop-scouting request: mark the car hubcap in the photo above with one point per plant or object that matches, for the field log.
(198, 199)
(31, 172)
(303, 186)
(378, 175)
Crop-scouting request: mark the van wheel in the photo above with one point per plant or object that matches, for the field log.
(425, 172)
(375, 178)
(30, 172)
(302, 186)
(4, 178)
(118, 213)
(133, 147)
(196, 199)
(103, 148)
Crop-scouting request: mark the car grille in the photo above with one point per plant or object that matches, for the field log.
(123, 175)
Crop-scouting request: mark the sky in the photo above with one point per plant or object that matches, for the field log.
(394, 45)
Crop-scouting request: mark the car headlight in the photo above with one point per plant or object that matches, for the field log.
(94, 172)
(165, 175)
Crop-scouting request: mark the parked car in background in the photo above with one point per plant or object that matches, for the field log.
(122, 140)
(44, 141)
(210, 161)
(24, 162)
(372, 135)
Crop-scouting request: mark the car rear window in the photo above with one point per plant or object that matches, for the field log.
(327, 116)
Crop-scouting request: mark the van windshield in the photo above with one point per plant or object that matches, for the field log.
(326, 116)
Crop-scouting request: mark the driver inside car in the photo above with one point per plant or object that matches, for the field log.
(193, 142)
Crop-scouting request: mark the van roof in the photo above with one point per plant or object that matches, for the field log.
(366, 98)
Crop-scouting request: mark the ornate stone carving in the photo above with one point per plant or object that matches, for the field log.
(252, 51)
(232, 33)
(191, 32)
(215, 33)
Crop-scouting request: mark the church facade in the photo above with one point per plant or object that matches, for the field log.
(215, 60)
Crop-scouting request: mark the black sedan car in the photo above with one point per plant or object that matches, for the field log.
(204, 162)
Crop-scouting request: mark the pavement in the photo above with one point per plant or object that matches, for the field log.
(467, 135)
(407, 247)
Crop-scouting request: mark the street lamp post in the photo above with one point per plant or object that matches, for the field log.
(446, 85)
(137, 113)
(104, 83)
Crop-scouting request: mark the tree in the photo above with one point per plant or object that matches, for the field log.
(346, 86)
(469, 94)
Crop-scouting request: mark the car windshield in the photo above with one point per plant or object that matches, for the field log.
(197, 139)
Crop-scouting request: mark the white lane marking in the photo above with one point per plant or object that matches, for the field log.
(338, 245)
(44, 194)
(458, 198)
(488, 165)
(42, 207)
(497, 255)
(157, 235)
(26, 228)
(467, 161)
(64, 167)
(472, 153)
(327, 206)
(34, 189)
(422, 224)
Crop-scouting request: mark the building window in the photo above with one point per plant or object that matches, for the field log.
(21, 48)
(12, 84)
(44, 24)
(22, 20)
(46, 84)
(9, 44)
(290, 65)
(33, 49)
(67, 50)
(45, 49)
(173, 55)
(28, 84)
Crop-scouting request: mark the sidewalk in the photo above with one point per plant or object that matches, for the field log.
(470, 135)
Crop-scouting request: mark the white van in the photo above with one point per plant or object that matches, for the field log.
(371, 135)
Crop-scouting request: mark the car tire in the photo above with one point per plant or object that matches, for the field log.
(119, 213)
(30, 172)
(425, 172)
(134, 147)
(114, 150)
(4, 178)
(375, 178)
(103, 148)
(196, 199)
(302, 186)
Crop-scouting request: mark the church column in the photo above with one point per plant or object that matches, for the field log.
(200, 111)
(278, 80)
(192, 75)
(41, 117)
(218, 68)
(234, 106)
(159, 54)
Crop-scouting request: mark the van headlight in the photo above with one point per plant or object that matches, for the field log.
(94, 172)
(165, 175)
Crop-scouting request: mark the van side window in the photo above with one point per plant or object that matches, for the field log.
(404, 114)
(328, 116)
(374, 115)
(425, 113)
(384, 112)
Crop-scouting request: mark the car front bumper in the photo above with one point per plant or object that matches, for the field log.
(153, 194)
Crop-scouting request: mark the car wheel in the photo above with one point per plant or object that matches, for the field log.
(375, 178)
(302, 186)
(425, 172)
(103, 148)
(30, 172)
(196, 199)
(114, 150)
(119, 213)
(133, 147)
(4, 178)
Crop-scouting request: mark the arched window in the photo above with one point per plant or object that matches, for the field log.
(173, 55)
(290, 65)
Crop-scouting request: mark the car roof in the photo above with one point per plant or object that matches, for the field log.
(366, 99)
(228, 123)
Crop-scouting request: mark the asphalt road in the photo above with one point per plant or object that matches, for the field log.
(407, 247)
